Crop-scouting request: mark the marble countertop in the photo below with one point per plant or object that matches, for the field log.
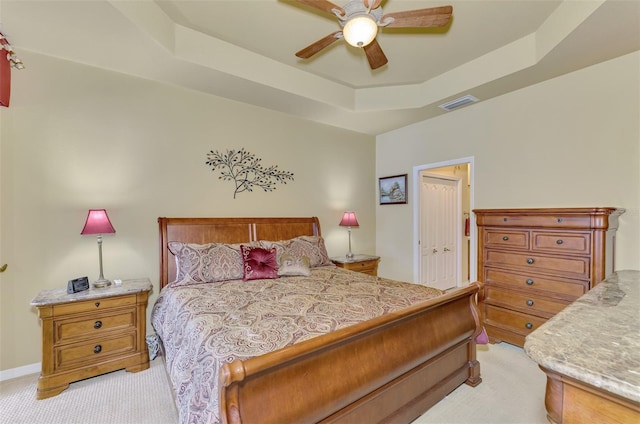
(596, 339)
(356, 258)
(60, 295)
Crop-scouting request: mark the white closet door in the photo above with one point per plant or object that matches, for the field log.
(439, 218)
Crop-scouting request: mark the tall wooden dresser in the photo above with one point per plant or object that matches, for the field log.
(534, 262)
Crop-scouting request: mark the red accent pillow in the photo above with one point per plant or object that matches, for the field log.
(259, 263)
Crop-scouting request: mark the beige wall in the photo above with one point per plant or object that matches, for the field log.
(570, 141)
(77, 137)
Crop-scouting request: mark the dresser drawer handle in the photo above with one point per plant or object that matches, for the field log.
(505, 238)
(97, 349)
(529, 302)
(559, 241)
(529, 326)
(529, 282)
(97, 324)
(97, 304)
(530, 261)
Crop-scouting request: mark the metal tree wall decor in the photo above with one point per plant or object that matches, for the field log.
(245, 170)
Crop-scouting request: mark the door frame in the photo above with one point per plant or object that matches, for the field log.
(415, 179)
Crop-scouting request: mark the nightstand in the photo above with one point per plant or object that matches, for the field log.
(367, 264)
(91, 333)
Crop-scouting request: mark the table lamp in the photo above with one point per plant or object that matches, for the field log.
(98, 223)
(349, 220)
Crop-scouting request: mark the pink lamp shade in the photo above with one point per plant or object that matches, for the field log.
(98, 223)
(349, 220)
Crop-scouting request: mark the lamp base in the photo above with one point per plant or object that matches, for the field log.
(349, 255)
(101, 283)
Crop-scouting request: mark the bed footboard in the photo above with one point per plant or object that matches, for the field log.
(392, 368)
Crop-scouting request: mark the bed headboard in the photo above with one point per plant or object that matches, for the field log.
(226, 230)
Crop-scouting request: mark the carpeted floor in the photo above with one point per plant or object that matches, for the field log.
(512, 391)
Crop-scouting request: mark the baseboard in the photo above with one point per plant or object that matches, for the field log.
(20, 371)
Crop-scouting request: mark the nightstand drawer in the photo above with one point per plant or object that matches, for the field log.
(93, 305)
(367, 267)
(70, 329)
(94, 351)
(365, 264)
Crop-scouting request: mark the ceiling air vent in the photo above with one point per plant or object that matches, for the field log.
(459, 102)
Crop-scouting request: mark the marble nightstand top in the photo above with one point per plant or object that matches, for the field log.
(596, 339)
(59, 295)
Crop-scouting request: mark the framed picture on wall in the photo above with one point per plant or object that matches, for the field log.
(393, 190)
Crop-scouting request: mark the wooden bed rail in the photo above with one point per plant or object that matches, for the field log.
(363, 373)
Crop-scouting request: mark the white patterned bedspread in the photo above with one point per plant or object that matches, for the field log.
(205, 325)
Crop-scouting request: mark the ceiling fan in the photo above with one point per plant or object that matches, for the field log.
(360, 20)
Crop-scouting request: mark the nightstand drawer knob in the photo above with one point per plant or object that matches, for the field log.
(530, 261)
(97, 324)
(529, 282)
(505, 238)
(529, 302)
(97, 349)
(529, 325)
(97, 304)
(559, 241)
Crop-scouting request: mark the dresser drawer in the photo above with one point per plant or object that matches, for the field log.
(505, 238)
(567, 289)
(527, 303)
(568, 266)
(68, 330)
(534, 220)
(579, 243)
(93, 305)
(513, 321)
(94, 351)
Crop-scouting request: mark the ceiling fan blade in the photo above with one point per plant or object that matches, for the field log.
(314, 48)
(375, 5)
(324, 5)
(375, 55)
(431, 17)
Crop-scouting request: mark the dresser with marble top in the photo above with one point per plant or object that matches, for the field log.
(590, 352)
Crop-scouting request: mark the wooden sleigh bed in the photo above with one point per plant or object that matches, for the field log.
(391, 368)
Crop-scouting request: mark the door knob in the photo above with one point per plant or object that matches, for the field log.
(3, 268)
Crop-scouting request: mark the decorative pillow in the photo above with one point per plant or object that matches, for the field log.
(206, 263)
(310, 246)
(291, 265)
(259, 263)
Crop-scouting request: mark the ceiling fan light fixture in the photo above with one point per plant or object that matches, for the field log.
(360, 30)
